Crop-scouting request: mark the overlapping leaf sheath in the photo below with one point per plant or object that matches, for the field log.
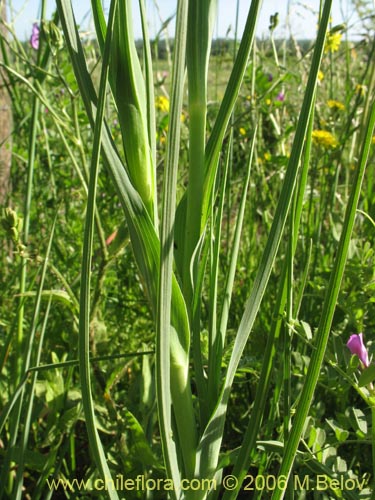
(130, 95)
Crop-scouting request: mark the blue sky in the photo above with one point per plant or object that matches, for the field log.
(302, 18)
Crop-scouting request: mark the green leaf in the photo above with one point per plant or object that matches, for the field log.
(139, 446)
(341, 434)
(367, 376)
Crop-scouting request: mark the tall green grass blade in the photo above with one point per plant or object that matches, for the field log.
(84, 317)
(99, 22)
(211, 440)
(215, 378)
(212, 149)
(247, 449)
(166, 360)
(246, 452)
(199, 35)
(328, 309)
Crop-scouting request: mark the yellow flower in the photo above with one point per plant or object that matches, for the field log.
(320, 75)
(268, 102)
(333, 42)
(360, 89)
(324, 138)
(242, 131)
(267, 156)
(335, 105)
(162, 103)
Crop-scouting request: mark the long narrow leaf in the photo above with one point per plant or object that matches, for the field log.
(211, 440)
(149, 77)
(218, 346)
(328, 310)
(201, 20)
(164, 367)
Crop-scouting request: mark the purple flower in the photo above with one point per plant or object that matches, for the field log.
(356, 346)
(280, 97)
(34, 39)
(270, 77)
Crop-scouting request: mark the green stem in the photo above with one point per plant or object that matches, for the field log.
(197, 57)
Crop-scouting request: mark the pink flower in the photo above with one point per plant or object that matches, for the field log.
(356, 346)
(280, 97)
(34, 39)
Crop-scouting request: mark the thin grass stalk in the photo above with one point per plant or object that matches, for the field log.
(247, 450)
(215, 377)
(214, 363)
(229, 191)
(31, 392)
(287, 327)
(214, 144)
(165, 335)
(27, 210)
(288, 333)
(209, 446)
(327, 312)
(84, 318)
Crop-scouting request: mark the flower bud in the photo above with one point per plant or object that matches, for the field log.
(356, 346)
